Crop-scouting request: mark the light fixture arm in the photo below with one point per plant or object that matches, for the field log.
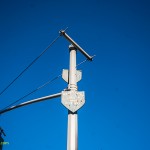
(31, 101)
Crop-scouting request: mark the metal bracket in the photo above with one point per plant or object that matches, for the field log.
(65, 75)
(73, 100)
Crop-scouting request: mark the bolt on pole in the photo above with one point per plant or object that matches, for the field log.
(72, 139)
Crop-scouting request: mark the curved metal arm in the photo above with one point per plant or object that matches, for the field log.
(31, 101)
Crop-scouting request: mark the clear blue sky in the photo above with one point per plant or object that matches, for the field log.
(116, 115)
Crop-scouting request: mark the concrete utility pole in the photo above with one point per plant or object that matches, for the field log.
(71, 98)
(72, 141)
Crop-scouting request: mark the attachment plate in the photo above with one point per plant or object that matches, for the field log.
(73, 100)
(65, 75)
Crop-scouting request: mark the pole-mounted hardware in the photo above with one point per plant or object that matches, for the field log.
(63, 33)
(65, 75)
(71, 98)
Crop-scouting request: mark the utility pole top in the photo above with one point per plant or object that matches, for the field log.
(63, 33)
(72, 47)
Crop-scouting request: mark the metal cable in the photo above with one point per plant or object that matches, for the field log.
(81, 63)
(84, 61)
(29, 65)
(40, 87)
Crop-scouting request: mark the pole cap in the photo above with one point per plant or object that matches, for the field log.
(72, 47)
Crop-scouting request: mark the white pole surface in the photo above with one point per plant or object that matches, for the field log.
(72, 139)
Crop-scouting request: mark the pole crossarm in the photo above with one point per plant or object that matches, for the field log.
(31, 101)
(62, 32)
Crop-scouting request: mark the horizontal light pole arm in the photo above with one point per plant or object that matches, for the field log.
(31, 101)
(62, 32)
